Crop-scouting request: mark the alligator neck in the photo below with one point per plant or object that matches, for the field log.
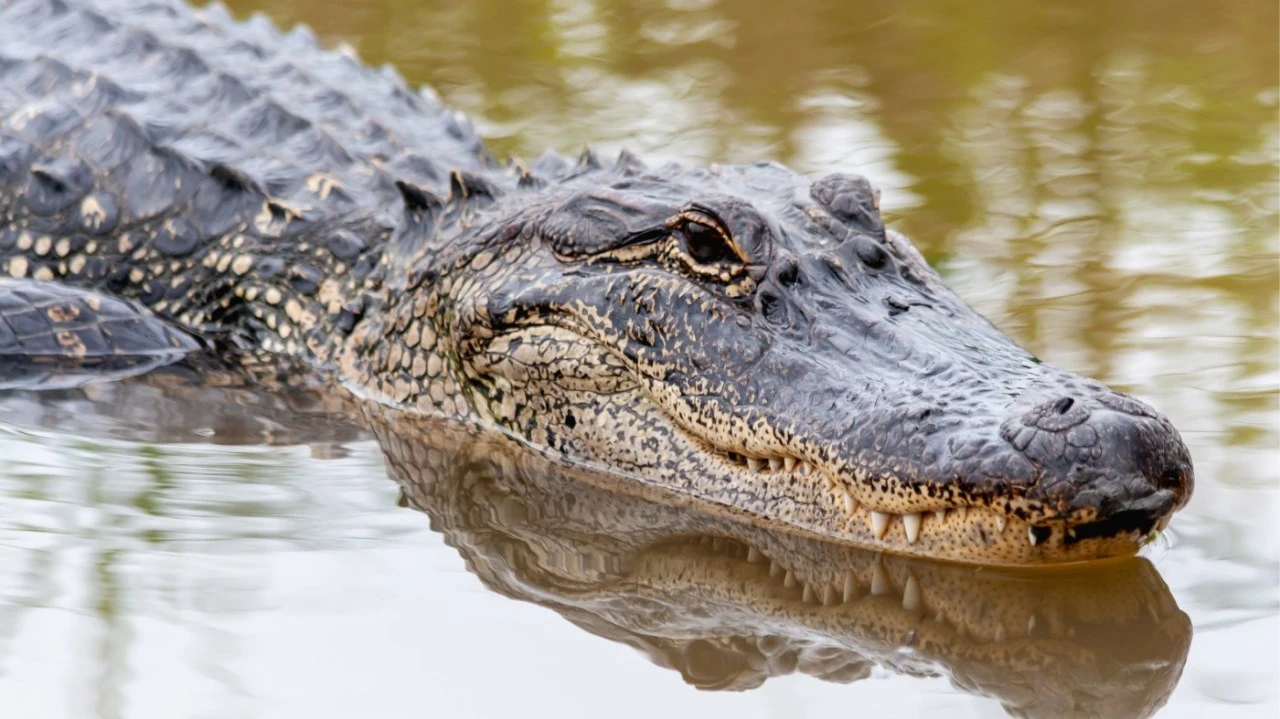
(395, 346)
(363, 296)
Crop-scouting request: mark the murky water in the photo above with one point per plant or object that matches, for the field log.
(1099, 178)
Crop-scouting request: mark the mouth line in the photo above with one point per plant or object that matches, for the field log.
(990, 524)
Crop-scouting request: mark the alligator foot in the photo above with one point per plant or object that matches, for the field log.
(54, 337)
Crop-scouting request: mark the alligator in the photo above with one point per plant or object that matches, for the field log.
(172, 178)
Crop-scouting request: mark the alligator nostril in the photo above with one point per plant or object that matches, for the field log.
(1063, 405)
(788, 274)
(871, 253)
(1171, 478)
(771, 307)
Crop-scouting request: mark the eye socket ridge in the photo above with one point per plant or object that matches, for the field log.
(705, 239)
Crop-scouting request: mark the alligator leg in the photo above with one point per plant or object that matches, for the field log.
(53, 336)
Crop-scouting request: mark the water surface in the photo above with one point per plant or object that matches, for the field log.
(1100, 179)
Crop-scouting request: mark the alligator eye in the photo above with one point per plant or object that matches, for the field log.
(706, 244)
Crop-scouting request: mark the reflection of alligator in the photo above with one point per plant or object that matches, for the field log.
(741, 334)
(729, 605)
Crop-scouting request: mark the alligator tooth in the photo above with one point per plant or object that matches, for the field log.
(880, 581)
(911, 523)
(1031, 534)
(1163, 524)
(807, 596)
(911, 595)
(850, 586)
(940, 514)
(717, 544)
(756, 465)
(850, 504)
(789, 463)
(1031, 624)
(1000, 523)
(999, 635)
(879, 524)
(789, 580)
(828, 595)
(1071, 532)
(806, 468)
(774, 568)
(753, 555)
(775, 464)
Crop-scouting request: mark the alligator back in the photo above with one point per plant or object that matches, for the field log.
(183, 158)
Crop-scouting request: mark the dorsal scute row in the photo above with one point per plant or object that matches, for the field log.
(308, 126)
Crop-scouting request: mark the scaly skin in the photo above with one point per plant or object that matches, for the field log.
(741, 334)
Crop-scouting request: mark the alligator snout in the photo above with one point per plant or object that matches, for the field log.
(1106, 452)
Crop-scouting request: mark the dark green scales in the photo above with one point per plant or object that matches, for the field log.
(171, 178)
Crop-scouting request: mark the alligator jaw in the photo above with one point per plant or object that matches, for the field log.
(1008, 532)
(971, 534)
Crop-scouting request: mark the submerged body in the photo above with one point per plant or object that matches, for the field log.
(744, 335)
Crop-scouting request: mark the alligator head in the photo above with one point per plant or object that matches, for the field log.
(762, 341)
(729, 605)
